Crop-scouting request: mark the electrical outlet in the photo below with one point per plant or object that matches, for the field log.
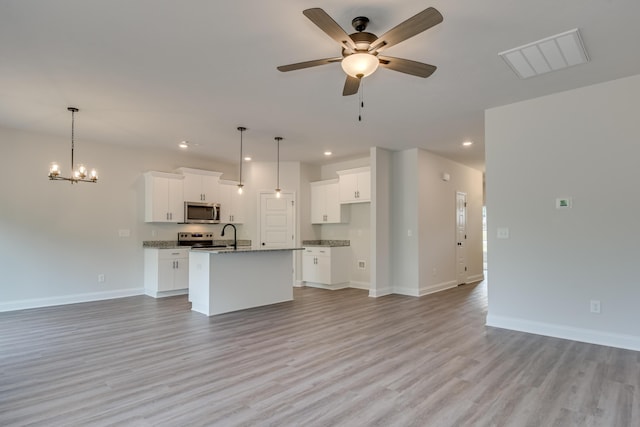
(101, 278)
(362, 265)
(595, 306)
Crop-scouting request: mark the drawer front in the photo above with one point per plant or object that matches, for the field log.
(173, 253)
(317, 251)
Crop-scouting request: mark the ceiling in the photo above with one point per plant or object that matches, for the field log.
(152, 73)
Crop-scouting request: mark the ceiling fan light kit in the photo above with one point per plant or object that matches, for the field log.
(360, 65)
(360, 50)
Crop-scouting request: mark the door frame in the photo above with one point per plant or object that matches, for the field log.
(461, 245)
(259, 216)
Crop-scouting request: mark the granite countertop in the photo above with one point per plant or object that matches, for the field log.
(161, 244)
(173, 244)
(327, 243)
(242, 249)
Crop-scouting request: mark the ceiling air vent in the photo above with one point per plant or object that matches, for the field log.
(549, 54)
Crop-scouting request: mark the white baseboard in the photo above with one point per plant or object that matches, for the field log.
(375, 293)
(69, 299)
(630, 342)
(164, 294)
(359, 285)
(298, 284)
(330, 287)
(413, 292)
(437, 287)
(475, 278)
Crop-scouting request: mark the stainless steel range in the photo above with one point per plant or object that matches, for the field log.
(196, 240)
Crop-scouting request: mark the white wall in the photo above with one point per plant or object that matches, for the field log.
(329, 171)
(424, 222)
(381, 242)
(581, 144)
(404, 221)
(437, 221)
(55, 237)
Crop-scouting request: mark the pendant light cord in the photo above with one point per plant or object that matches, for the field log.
(278, 139)
(241, 129)
(73, 126)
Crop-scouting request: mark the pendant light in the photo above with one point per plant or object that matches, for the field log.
(79, 174)
(241, 129)
(278, 139)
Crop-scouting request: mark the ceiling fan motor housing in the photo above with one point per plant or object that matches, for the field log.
(360, 23)
(362, 40)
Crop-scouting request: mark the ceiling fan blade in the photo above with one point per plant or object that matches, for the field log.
(407, 66)
(351, 86)
(308, 64)
(407, 29)
(329, 26)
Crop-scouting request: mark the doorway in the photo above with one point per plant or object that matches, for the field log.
(277, 220)
(461, 237)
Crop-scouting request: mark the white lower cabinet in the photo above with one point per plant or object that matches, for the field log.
(166, 272)
(326, 267)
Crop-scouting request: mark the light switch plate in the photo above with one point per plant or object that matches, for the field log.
(503, 233)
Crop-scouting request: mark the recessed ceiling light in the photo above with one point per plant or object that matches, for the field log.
(467, 143)
(184, 144)
(328, 153)
(247, 159)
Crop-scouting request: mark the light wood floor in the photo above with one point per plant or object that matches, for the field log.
(329, 358)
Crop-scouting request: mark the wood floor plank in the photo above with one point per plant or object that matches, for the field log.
(328, 358)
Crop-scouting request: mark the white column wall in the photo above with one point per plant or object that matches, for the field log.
(581, 144)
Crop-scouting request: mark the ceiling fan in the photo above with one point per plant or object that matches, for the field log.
(361, 50)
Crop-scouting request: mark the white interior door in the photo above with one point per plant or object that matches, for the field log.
(461, 237)
(277, 220)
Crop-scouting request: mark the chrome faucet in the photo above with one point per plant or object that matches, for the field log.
(235, 234)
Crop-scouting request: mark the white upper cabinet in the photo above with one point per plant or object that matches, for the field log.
(355, 185)
(163, 197)
(200, 185)
(325, 203)
(232, 204)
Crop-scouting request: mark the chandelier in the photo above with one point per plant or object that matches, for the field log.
(80, 173)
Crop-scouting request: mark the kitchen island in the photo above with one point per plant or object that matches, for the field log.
(225, 280)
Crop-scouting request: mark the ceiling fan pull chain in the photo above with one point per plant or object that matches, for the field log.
(361, 103)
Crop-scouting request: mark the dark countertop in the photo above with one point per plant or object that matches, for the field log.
(242, 249)
(326, 243)
(173, 244)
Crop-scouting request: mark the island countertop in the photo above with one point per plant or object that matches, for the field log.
(242, 249)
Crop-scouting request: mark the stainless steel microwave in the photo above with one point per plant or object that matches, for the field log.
(201, 213)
